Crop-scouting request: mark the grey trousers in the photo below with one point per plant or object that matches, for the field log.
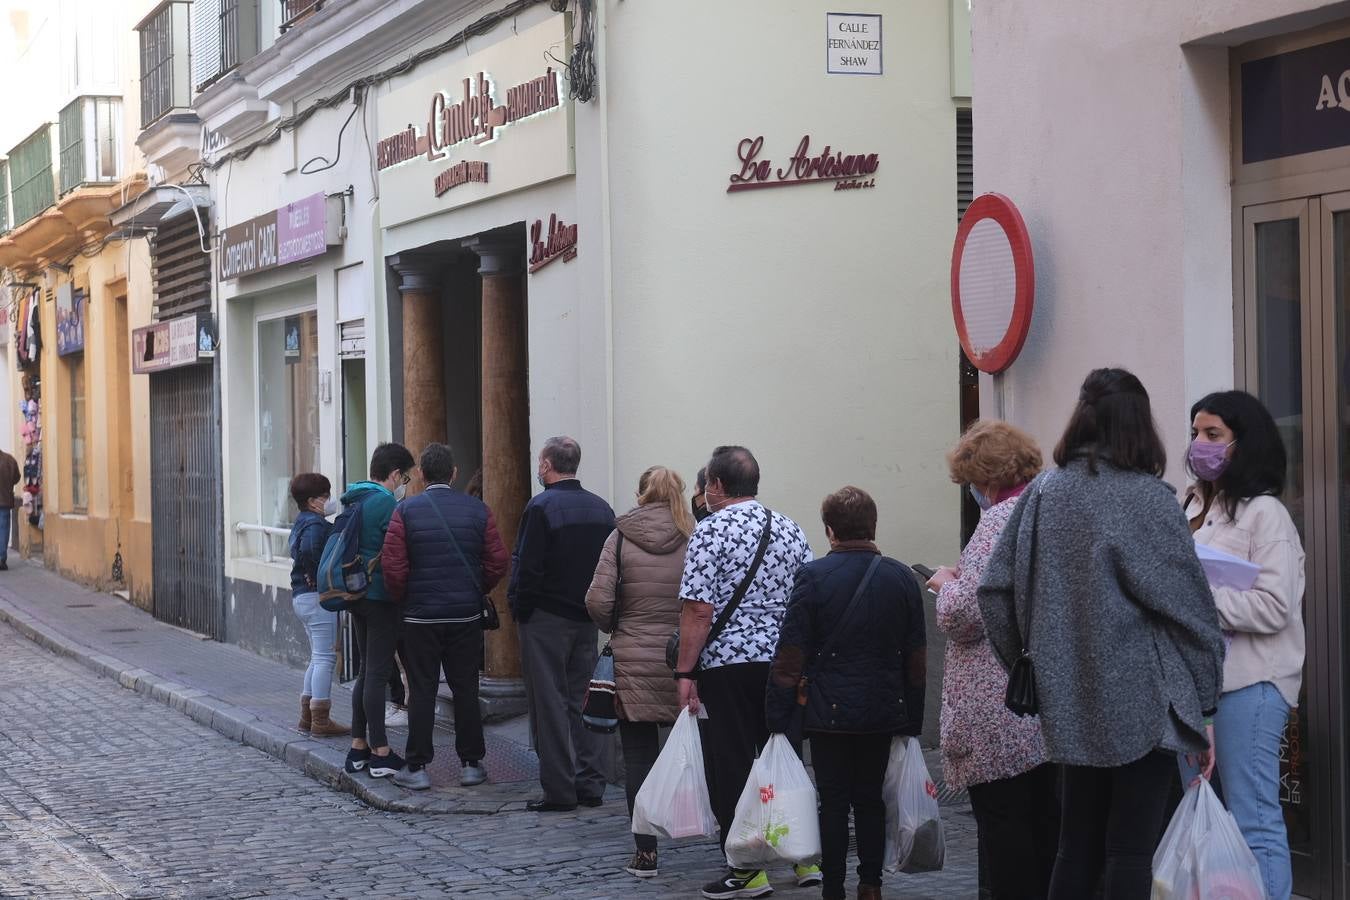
(557, 659)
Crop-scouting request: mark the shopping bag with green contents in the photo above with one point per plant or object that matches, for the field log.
(776, 815)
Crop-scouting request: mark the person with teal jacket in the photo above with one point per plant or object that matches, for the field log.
(375, 620)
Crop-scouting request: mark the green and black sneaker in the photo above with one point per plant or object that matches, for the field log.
(739, 883)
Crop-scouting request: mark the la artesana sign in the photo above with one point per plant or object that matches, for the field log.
(847, 171)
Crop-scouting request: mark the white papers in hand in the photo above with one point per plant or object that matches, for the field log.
(1225, 569)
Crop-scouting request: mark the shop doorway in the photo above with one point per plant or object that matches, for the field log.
(1294, 353)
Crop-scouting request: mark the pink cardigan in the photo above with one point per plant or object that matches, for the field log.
(981, 740)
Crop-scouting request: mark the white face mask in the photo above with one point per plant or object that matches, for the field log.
(330, 508)
(400, 492)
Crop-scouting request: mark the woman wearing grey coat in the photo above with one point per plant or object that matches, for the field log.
(1098, 569)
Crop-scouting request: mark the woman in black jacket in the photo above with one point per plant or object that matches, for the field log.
(857, 671)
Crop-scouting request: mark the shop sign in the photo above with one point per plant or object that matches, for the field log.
(449, 138)
(296, 232)
(1296, 102)
(852, 44)
(171, 344)
(846, 171)
(70, 304)
(559, 242)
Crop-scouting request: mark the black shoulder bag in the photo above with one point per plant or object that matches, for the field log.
(673, 645)
(1020, 697)
(600, 710)
(818, 706)
(491, 621)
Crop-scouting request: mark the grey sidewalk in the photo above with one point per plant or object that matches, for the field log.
(253, 700)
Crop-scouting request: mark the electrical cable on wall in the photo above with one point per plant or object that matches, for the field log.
(358, 99)
(290, 123)
(582, 64)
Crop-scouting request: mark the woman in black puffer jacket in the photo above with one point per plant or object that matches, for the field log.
(858, 675)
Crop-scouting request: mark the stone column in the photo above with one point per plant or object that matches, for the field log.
(423, 356)
(506, 442)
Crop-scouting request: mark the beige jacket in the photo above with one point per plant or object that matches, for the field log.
(653, 560)
(1266, 622)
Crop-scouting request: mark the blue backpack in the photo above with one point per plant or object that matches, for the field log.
(344, 576)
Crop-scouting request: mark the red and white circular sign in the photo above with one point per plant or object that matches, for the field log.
(993, 282)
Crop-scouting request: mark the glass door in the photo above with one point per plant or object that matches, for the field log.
(1296, 357)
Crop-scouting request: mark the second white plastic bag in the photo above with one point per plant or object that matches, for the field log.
(1203, 854)
(776, 819)
(914, 839)
(673, 800)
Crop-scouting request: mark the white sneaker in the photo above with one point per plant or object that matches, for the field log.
(472, 774)
(395, 717)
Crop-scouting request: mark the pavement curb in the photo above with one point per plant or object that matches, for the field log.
(321, 761)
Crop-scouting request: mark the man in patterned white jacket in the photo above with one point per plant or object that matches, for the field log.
(729, 672)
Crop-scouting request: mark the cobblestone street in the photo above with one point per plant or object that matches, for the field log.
(106, 793)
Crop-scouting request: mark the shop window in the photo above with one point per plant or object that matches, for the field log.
(79, 470)
(288, 409)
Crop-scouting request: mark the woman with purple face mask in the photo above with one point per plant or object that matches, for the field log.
(1239, 462)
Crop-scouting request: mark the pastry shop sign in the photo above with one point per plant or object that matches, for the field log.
(846, 171)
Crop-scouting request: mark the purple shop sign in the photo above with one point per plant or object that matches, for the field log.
(298, 231)
(301, 230)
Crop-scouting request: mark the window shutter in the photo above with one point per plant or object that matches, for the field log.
(182, 272)
(965, 162)
(205, 41)
(352, 342)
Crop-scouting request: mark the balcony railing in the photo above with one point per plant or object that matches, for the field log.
(293, 12)
(31, 176)
(90, 141)
(165, 76)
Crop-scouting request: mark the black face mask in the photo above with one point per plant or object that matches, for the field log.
(700, 512)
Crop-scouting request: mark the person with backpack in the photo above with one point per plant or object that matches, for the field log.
(441, 555)
(312, 494)
(852, 656)
(375, 620)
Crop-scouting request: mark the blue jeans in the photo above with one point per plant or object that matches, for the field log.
(321, 626)
(1247, 732)
(5, 515)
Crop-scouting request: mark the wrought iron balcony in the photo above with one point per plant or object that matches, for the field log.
(293, 12)
(91, 141)
(165, 75)
(32, 176)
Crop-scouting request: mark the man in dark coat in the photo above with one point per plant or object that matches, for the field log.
(442, 553)
(562, 532)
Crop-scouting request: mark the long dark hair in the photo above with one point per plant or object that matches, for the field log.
(1113, 421)
(1259, 460)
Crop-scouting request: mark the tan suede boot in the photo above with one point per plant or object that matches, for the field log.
(322, 725)
(305, 719)
(869, 892)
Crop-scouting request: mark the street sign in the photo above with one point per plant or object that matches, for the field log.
(993, 283)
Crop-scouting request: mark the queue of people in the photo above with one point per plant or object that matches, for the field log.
(1084, 578)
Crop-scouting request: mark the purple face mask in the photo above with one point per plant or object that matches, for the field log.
(1209, 460)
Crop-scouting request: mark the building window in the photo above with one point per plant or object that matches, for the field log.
(296, 11)
(4, 197)
(31, 176)
(288, 409)
(79, 471)
(90, 141)
(164, 61)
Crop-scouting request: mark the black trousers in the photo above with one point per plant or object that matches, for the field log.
(850, 769)
(456, 648)
(1112, 819)
(376, 625)
(735, 733)
(641, 745)
(1018, 823)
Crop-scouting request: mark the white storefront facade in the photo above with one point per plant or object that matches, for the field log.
(1183, 172)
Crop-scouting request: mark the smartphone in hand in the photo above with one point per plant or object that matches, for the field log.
(923, 571)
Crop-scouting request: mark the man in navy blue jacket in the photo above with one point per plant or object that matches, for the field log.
(441, 555)
(562, 532)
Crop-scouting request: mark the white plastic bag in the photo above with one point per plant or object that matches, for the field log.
(776, 817)
(914, 839)
(1203, 855)
(673, 801)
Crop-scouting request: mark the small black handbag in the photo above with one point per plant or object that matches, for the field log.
(1020, 697)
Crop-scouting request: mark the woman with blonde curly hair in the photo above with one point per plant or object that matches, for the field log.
(999, 757)
(639, 575)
